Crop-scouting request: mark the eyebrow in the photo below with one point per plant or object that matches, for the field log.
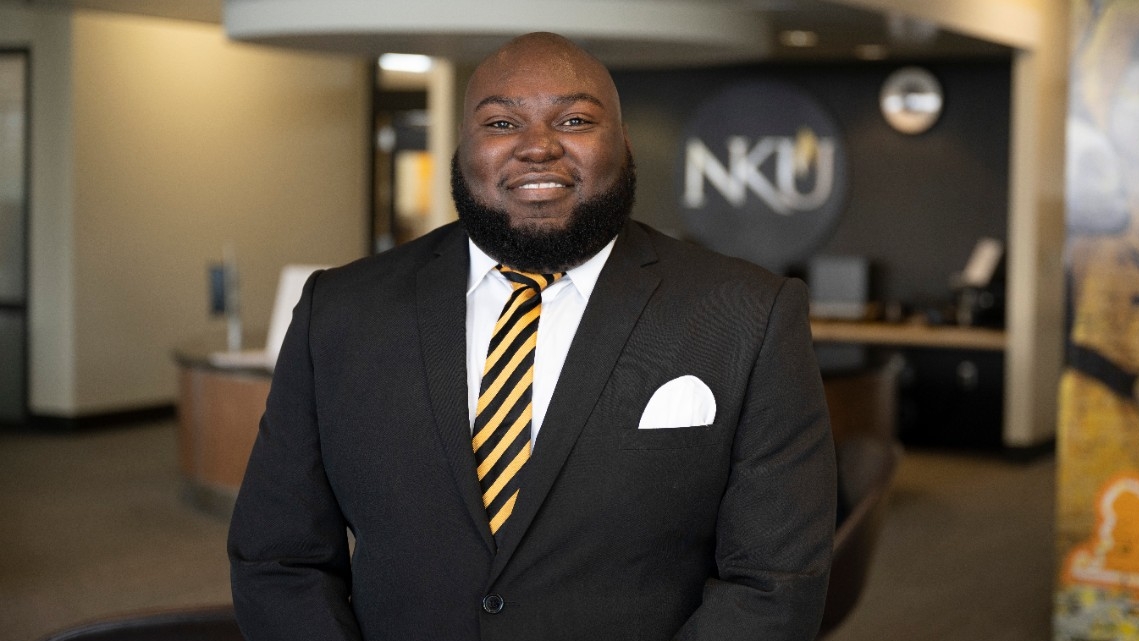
(567, 99)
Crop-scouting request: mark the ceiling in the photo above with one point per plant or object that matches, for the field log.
(841, 31)
(197, 10)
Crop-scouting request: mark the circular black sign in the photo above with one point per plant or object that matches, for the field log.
(762, 173)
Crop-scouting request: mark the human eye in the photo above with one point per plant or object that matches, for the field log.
(576, 122)
(500, 124)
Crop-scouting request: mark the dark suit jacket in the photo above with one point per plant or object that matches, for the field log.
(713, 532)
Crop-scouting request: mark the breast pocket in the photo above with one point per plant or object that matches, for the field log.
(671, 438)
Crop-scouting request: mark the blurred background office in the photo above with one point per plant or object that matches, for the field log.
(163, 163)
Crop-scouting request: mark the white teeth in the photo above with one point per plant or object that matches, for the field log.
(541, 186)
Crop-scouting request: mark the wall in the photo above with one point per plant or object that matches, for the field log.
(915, 205)
(51, 311)
(1037, 29)
(185, 143)
(156, 143)
(1036, 226)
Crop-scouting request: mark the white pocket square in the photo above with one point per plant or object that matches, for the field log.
(682, 402)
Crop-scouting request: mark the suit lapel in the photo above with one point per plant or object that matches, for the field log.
(617, 301)
(441, 303)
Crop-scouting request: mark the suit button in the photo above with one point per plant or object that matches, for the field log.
(492, 603)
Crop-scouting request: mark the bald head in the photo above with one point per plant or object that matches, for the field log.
(543, 148)
(536, 55)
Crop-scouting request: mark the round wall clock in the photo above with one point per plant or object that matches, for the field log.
(911, 100)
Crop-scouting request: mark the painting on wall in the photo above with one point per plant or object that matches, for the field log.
(1097, 533)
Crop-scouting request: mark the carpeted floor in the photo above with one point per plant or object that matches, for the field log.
(966, 553)
(93, 525)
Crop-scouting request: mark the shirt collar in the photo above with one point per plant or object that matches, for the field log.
(584, 276)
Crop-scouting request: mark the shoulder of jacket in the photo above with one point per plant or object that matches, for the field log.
(408, 256)
(678, 254)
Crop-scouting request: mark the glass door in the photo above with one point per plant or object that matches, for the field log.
(13, 236)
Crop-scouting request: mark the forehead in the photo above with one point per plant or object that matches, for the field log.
(540, 75)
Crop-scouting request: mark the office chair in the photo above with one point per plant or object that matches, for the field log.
(213, 623)
(866, 469)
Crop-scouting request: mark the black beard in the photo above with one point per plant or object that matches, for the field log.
(592, 224)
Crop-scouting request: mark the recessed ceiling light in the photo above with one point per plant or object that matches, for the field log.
(871, 52)
(405, 62)
(798, 38)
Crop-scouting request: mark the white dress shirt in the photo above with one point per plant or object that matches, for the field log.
(563, 304)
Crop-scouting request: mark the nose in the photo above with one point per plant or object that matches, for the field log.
(539, 143)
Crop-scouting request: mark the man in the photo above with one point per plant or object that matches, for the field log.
(671, 473)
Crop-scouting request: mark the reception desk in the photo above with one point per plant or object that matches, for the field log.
(943, 385)
(219, 409)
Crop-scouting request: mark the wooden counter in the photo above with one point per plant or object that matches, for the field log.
(907, 335)
(218, 413)
(219, 408)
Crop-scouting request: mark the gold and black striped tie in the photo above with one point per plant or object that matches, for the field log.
(502, 420)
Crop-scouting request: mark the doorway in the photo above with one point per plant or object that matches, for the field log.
(413, 139)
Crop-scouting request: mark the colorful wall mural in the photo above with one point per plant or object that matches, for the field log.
(1097, 536)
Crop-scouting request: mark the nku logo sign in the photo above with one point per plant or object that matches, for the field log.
(763, 174)
(795, 161)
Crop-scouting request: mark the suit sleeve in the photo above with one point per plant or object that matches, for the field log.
(775, 529)
(288, 549)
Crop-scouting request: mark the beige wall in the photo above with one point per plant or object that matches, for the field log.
(156, 144)
(185, 143)
(1036, 231)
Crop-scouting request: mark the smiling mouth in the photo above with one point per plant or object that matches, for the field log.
(535, 182)
(541, 190)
